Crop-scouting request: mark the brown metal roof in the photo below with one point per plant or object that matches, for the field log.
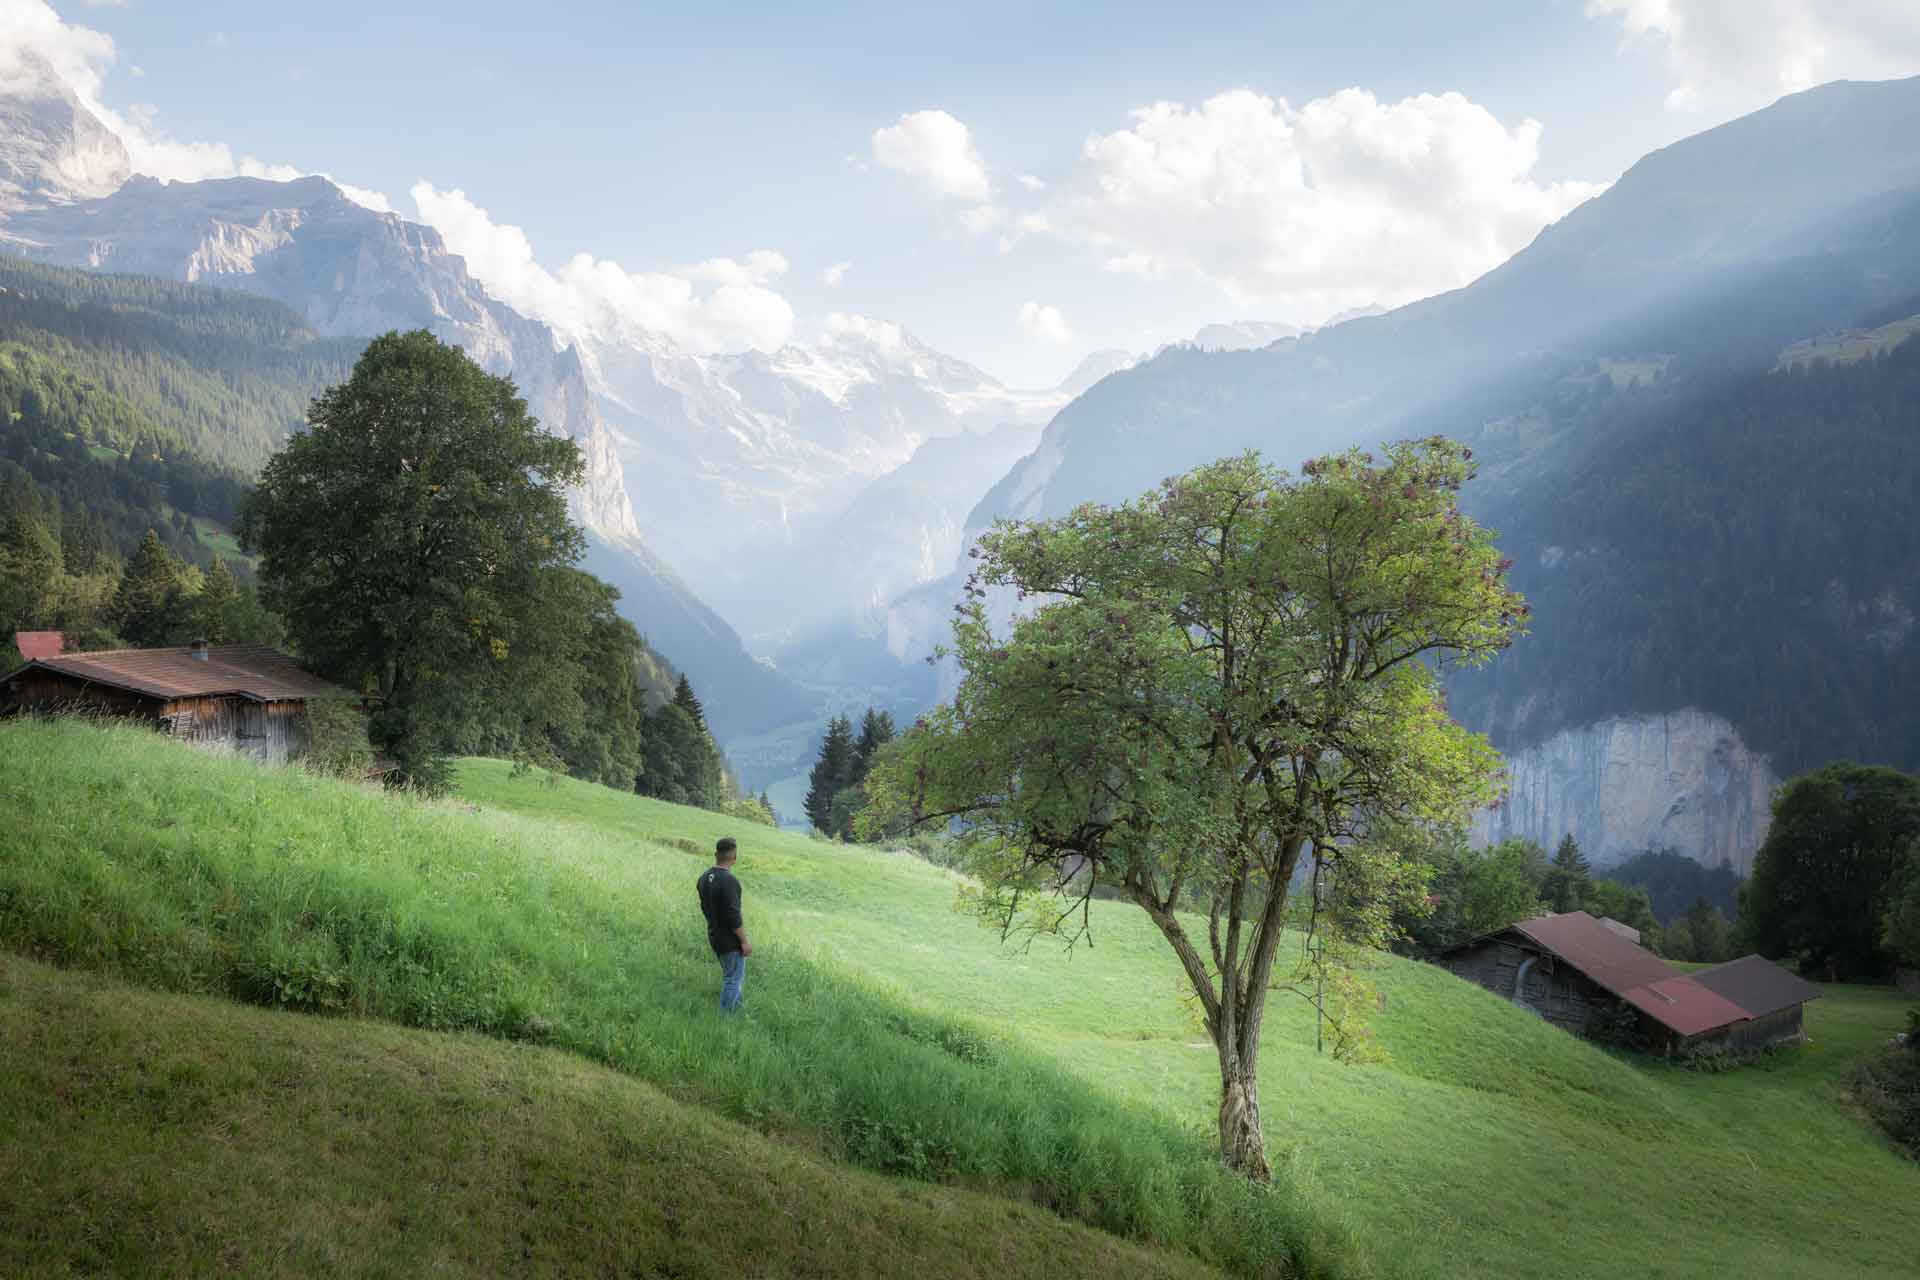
(1685, 1006)
(1597, 951)
(1757, 985)
(229, 670)
(39, 644)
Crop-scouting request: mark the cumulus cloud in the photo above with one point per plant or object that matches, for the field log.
(1730, 56)
(1341, 202)
(34, 39)
(1043, 323)
(1032, 183)
(936, 148)
(831, 276)
(598, 298)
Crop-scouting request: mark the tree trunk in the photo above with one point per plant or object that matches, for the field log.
(1242, 1145)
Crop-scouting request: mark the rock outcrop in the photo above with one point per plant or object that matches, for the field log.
(1682, 781)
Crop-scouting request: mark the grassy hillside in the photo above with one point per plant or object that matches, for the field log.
(177, 1135)
(889, 1031)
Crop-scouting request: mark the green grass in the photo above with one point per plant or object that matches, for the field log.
(889, 1030)
(180, 1135)
(219, 539)
(182, 871)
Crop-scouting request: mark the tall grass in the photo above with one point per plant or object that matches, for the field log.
(195, 873)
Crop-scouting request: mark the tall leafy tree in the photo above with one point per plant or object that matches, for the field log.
(1218, 679)
(830, 773)
(1823, 878)
(1900, 932)
(404, 535)
(1708, 928)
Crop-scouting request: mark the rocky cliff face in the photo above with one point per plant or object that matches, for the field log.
(52, 149)
(1682, 781)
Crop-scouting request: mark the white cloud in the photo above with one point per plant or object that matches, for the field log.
(935, 147)
(1032, 183)
(1043, 323)
(598, 298)
(34, 38)
(982, 218)
(1731, 56)
(1341, 202)
(831, 276)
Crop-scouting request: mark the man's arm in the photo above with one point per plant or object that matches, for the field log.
(734, 921)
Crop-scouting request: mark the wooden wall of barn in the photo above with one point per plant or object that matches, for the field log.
(1755, 1033)
(47, 692)
(1551, 988)
(268, 731)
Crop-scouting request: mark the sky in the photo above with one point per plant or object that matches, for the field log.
(1018, 185)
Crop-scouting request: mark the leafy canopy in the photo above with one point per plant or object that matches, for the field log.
(1209, 681)
(406, 533)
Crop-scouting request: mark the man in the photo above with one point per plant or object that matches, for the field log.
(720, 904)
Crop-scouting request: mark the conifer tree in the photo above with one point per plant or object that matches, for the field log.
(876, 731)
(830, 773)
(147, 607)
(685, 699)
(29, 559)
(215, 603)
(1570, 879)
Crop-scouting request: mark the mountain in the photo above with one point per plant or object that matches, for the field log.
(349, 271)
(1243, 335)
(1706, 518)
(738, 461)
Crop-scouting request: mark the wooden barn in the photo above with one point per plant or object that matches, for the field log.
(246, 698)
(1589, 977)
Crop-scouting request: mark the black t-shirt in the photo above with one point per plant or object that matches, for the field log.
(720, 904)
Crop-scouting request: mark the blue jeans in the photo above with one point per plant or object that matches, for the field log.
(733, 973)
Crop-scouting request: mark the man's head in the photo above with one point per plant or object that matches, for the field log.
(725, 851)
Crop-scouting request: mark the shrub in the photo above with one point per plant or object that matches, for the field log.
(336, 739)
(1887, 1088)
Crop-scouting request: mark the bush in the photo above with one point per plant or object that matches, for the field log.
(336, 739)
(1887, 1088)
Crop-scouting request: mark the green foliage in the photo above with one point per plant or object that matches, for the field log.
(29, 565)
(1569, 879)
(1218, 676)
(681, 763)
(831, 774)
(153, 605)
(1474, 892)
(1887, 1087)
(1629, 905)
(1900, 934)
(1737, 542)
(452, 503)
(1825, 876)
(334, 739)
(1674, 882)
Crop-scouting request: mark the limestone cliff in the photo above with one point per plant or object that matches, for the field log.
(1682, 780)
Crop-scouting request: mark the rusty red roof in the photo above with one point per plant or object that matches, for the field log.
(1597, 951)
(255, 672)
(1685, 1006)
(1757, 985)
(39, 644)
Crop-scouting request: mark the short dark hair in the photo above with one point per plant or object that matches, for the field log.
(724, 849)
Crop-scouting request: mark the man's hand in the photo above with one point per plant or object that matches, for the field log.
(746, 948)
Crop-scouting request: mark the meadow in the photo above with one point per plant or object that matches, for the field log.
(888, 1031)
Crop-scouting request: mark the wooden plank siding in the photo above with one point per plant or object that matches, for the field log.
(1551, 987)
(271, 732)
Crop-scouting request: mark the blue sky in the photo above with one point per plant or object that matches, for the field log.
(970, 165)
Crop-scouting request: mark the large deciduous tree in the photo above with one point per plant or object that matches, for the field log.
(404, 535)
(1824, 877)
(1229, 674)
